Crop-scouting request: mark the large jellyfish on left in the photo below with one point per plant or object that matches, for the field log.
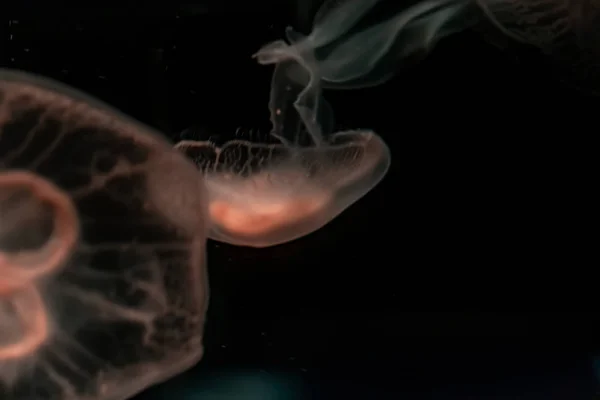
(103, 289)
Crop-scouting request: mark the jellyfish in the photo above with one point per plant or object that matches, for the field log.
(264, 194)
(103, 289)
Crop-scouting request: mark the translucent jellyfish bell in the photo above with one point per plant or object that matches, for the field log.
(262, 195)
(103, 288)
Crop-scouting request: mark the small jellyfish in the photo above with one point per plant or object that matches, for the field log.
(103, 289)
(264, 194)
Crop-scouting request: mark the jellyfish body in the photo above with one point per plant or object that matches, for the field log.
(267, 194)
(103, 288)
(262, 195)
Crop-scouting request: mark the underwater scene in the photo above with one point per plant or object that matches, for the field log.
(299, 199)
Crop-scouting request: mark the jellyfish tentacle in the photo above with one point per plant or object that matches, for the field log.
(111, 246)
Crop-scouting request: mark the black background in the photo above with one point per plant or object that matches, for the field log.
(463, 275)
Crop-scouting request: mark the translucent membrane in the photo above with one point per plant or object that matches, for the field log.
(103, 288)
(262, 195)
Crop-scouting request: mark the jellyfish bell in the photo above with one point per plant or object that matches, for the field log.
(103, 288)
(263, 195)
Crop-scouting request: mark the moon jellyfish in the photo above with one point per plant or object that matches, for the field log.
(103, 288)
(265, 194)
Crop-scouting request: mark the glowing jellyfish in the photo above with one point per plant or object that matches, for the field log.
(266, 194)
(103, 289)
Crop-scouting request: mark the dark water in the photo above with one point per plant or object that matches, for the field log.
(483, 216)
